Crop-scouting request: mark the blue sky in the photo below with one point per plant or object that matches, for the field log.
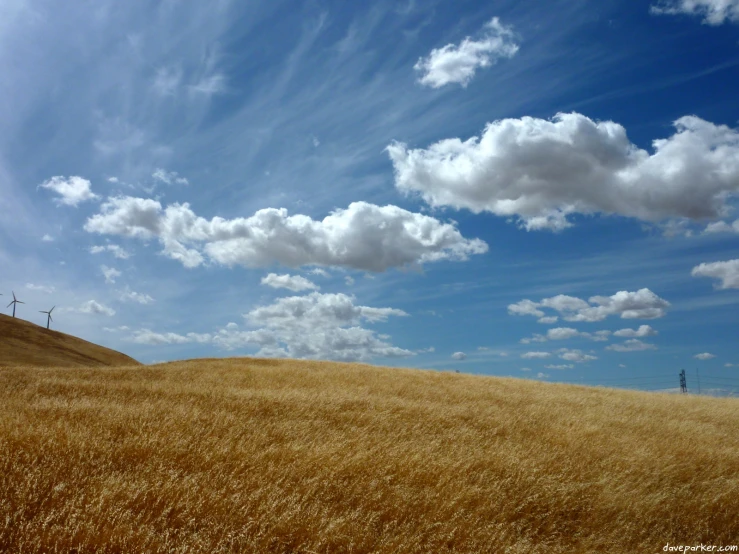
(387, 182)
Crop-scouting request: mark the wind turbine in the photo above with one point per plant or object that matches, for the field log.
(48, 319)
(14, 302)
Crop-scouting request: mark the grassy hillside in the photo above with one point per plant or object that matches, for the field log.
(25, 343)
(246, 455)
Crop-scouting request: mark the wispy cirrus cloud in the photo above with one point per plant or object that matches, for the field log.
(210, 85)
(48, 289)
(146, 336)
(167, 81)
(713, 12)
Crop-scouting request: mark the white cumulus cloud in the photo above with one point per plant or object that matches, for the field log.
(536, 338)
(543, 170)
(114, 249)
(458, 63)
(535, 355)
(314, 326)
(363, 236)
(704, 356)
(71, 191)
(642, 331)
(295, 283)
(713, 12)
(631, 345)
(722, 227)
(133, 296)
(561, 333)
(459, 356)
(169, 177)
(110, 273)
(575, 355)
(564, 333)
(318, 309)
(92, 307)
(641, 304)
(526, 307)
(727, 272)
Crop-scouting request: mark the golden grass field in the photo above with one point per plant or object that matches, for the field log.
(250, 455)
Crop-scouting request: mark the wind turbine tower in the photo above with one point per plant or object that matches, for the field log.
(48, 314)
(14, 302)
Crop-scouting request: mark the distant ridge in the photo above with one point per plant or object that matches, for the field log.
(25, 343)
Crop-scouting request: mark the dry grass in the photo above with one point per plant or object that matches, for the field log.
(25, 343)
(246, 455)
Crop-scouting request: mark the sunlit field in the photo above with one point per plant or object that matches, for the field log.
(249, 455)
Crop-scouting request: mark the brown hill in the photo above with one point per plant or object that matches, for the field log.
(25, 343)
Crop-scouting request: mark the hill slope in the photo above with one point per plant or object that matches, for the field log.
(248, 455)
(25, 343)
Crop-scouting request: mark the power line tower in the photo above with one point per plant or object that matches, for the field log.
(683, 382)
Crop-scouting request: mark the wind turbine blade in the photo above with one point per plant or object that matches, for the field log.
(9, 305)
(52, 309)
(13, 294)
(51, 318)
(19, 302)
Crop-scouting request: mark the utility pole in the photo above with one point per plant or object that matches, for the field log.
(683, 382)
(698, 375)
